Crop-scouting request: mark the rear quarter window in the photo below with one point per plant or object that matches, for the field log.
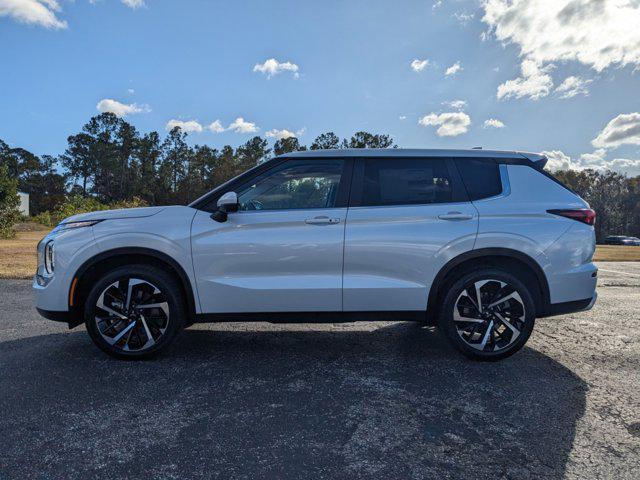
(481, 177)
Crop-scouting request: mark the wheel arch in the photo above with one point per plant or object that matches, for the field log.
(532, 273)
(110, 259)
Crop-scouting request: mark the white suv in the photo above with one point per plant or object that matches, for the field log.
(479, 242)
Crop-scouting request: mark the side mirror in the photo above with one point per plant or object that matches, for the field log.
(227, 203)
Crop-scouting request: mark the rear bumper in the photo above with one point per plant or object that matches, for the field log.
(573, 285)
(571, 307)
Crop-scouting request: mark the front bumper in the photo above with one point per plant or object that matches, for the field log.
(72, 318)
(54, 315)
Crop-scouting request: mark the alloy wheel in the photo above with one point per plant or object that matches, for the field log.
(489, 315)
(132, 314)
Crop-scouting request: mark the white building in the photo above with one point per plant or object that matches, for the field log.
(24, 203)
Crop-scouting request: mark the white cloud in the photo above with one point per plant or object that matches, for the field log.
(121, 109)
(280, 134)
(272, 67)
(597, 161)
(463, 18)
(239, 125)
(43, 12)
(419, 65)
(450, 124)
(593, 158)
(133, 3)
(622, 130)
(284, 133)
(572, 86)
(35, 12)
(597, 33)
(436, 4)
(493, 123)
(402, 117)
(216, 126)
(558, 160)
(625, 165)
(189, 126)
(130, 91)
(457, 104)
(534, 83)
(453, 69)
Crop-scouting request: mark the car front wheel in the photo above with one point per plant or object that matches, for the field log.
(488, 314)
(134, 311)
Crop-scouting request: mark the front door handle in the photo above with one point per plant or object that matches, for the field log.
(322, 221)
(455, 216)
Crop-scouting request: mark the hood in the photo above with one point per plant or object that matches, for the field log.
(115, 214)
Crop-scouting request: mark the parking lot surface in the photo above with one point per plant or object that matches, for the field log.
(362, 400)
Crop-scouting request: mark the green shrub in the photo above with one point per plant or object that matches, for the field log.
(79, 204)
(43, 218)
(135, 202)
(72, 206)
(9, 201)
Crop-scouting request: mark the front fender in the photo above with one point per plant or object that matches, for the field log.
(175, 252)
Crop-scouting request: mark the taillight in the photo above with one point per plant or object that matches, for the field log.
(586, 215)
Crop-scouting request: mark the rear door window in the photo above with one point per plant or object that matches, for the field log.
(481, 177)
(406, 181)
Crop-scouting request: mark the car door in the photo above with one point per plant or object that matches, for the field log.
(283, 250)
(408, 217)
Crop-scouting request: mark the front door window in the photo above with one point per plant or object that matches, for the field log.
(296, 184)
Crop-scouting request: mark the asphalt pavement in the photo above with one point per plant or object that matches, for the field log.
(364, 400)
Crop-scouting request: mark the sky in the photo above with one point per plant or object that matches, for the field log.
(554, 76)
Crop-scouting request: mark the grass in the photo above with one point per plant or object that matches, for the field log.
(18, 255)
(617, 253)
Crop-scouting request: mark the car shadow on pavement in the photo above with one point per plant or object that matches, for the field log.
(394, 402)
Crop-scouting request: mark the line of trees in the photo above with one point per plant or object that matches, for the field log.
(113, 162)
(614, 197)
(109, 161)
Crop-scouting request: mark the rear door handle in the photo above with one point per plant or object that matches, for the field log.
(455, 216)
(322, 221)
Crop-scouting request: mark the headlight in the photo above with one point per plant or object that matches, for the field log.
(83, 223)
(49, 257)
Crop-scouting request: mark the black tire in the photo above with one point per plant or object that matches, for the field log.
(169, 295)
(500, 342)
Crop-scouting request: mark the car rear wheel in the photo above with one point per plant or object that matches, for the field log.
(488, 314)
(134, 311)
